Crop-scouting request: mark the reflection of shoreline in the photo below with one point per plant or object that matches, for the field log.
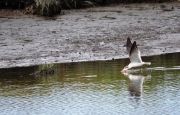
(135, 87)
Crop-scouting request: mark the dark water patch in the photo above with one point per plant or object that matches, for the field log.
(95, 87)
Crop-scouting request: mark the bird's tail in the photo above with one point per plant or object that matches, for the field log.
(148, 63)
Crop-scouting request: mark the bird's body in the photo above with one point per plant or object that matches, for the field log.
(134, 56)
(131, 65)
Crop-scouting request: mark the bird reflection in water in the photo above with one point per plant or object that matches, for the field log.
(136, 85)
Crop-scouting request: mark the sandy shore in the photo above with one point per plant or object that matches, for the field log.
(88, 34)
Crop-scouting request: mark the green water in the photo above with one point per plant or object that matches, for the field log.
(97, 88)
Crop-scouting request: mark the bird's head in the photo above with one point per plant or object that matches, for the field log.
(124, 69)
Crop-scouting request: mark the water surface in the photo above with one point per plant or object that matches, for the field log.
(96, 88)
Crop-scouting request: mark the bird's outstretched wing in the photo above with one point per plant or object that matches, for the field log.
(135, 54)
(128, 46)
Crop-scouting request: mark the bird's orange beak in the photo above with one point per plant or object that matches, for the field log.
(123, 71)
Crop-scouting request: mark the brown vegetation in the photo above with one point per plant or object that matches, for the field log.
(51, 7)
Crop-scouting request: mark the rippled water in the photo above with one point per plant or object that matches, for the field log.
(96, 88)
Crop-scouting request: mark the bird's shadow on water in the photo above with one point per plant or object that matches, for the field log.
(137, 78)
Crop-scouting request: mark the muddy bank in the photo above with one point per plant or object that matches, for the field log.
(88, 34)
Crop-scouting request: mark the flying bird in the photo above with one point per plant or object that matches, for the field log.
(134, 56)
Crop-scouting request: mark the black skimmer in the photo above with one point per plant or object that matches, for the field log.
(134, 56)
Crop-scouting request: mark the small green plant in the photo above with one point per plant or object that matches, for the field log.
(45, 69)
(46, 66)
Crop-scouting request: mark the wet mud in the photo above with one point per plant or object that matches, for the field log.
(88, 34)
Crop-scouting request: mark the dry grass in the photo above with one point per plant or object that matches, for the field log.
(48, 7)
(51, 7)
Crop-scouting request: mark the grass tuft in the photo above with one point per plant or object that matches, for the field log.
(48, 7)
